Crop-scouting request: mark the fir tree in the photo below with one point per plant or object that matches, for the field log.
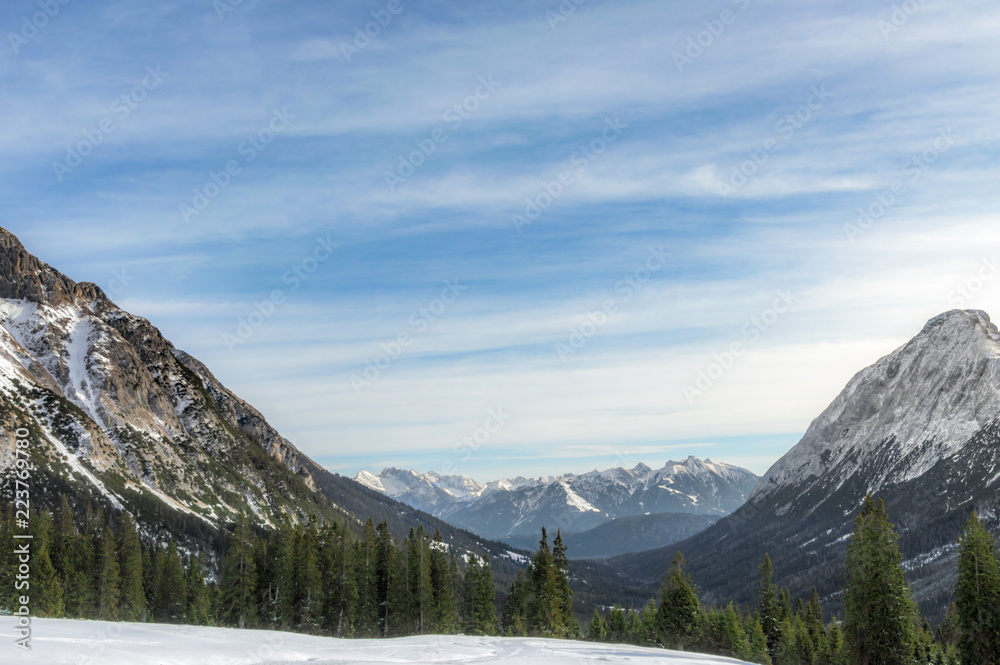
(384, 569)
(365, 618)
(445, 612)
(878, 609)
(679, 612)
(759, 652)
(546, 615)
(563, 591)
(47, 591)
(977, 595)
(598, 631)
(198, 594)
(108, 577)
(767, 605)
(239, 580)
(132, 600)
(307, 587)
(172, 597)
(418, 563)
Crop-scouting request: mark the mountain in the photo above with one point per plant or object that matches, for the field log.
(626, 534)
(505, 509)
(117, 415)
(920, 428)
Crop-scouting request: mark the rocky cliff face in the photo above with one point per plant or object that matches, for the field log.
(117, 406)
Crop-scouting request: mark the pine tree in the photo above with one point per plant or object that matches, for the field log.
(515, 608)
(8, 560)
(598, 631)
(759, 652)
(198, 594)
(444, 612)
(977, 595)
(307, 588)
(151, 564)
(767, 605)
(239, 580)
(173, 588)
(418, 560)
(546, 616)
(365, 618)
(679, 612)
(479, 611)
(878, 608)
(563, 591)
(384, 565)
(47, 591)
(787, 652)
(732, 640)
(132, 600)
(108, 577)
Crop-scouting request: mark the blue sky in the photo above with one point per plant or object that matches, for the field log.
(502, 238)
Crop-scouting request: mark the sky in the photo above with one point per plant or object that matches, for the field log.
(503, 238)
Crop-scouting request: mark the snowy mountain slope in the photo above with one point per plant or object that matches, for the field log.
(65, 642)
(575, 503)
(920, 428)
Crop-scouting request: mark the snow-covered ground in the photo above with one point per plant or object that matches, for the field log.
(66, 642)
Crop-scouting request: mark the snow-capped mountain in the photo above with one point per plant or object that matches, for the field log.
(575, 503)
(920, 428)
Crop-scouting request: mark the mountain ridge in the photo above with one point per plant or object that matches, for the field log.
(573, 502)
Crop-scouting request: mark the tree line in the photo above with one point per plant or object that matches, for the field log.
(324, 580)
(880, 626)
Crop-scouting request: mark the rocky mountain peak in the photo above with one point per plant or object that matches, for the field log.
(24, 277)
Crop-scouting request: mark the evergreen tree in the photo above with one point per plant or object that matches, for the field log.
(878, 609)
(307, 587)
(239, 580)
(418, 562)
(480, 609)
(8, 560)
(384, 569)
(563, 591)
(365, 618)
(132, 600)
(732, 640)
(274, 561)
(759, 652)
(342, 588)
(598, 631)
(198, 594)
(515, 608)
(787, 652)
(172, 598)
(151, 559)
(977, 595)
(767, 605)
(546, 616)
(679, 613)
(46, 589)
(108, 577)
(444, 611)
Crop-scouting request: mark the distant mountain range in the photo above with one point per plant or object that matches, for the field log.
(920, 429)
(514, 510)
